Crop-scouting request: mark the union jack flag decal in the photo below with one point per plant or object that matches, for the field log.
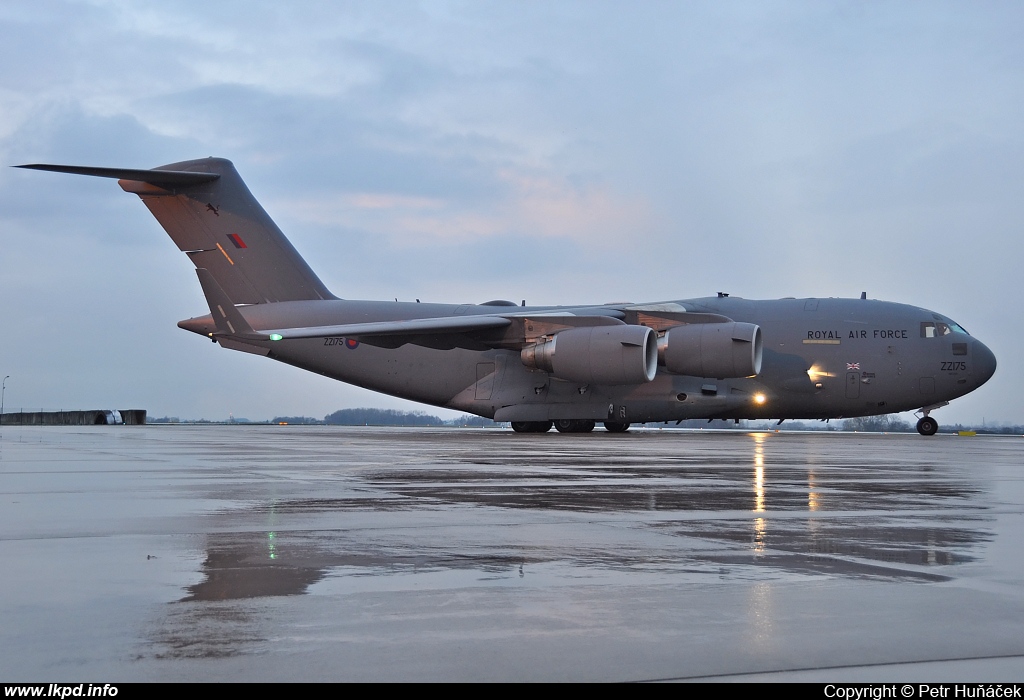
(852, 365)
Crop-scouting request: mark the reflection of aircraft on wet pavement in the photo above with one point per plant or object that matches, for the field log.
(718, 357)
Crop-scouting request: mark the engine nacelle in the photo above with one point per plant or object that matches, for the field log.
(597, 355)
(720, 350)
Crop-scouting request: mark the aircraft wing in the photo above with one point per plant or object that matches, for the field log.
(511, 331)
(413, 327)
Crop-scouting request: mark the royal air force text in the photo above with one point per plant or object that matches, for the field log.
(877, 333)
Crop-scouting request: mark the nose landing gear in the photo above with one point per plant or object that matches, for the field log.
(928, 425)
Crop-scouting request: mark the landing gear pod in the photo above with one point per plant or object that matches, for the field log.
(719, 350)
(597, 355)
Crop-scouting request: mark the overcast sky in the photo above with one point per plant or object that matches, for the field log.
(562, 152)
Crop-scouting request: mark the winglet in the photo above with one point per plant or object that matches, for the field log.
(226, 317)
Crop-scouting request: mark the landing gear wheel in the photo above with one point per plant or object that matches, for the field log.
(613, 427)
(529, 426)
(927, 426)
(566, 425)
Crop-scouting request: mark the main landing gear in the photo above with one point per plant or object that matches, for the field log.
(566, 426)
(531, 426)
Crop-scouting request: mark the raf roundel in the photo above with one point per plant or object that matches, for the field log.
(351, 343)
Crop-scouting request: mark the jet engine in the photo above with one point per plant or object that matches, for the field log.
(597, 355)
(720, 350)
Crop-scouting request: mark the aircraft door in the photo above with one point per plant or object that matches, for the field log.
(488, 377)
(853, 385)
(484, 380)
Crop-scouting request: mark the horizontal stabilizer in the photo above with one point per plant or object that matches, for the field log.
(160, 178)
(419, 326)
(213, 218)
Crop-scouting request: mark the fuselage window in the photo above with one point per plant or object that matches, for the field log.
(927, 329)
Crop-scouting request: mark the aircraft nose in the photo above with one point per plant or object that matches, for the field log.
(984, 362)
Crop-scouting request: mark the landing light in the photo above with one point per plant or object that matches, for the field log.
(276, 336)
(815, 373)
(759, 399)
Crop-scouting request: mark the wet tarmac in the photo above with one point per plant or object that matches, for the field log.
(287, 553)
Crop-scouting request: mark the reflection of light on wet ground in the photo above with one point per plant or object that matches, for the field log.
(761, 615)
(814, 524)
(760, 528)
(812, 494)
(760, 525)
(759, 489)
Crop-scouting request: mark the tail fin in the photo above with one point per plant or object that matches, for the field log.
(210, 214)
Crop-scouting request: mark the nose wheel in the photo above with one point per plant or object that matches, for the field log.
(927, 426)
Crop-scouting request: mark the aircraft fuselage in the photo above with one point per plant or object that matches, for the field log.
(823, 358)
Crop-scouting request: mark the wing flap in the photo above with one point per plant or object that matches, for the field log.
(663, 320)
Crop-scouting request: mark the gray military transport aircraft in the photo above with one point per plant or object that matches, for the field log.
(719, 357)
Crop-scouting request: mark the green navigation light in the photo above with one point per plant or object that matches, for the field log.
(276, 336)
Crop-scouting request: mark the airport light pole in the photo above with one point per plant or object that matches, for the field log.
(3, 391)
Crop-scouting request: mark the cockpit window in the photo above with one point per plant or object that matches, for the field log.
(940, 328)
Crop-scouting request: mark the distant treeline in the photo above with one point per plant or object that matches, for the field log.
(878, 424)
(384, 416)
(893, 424)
